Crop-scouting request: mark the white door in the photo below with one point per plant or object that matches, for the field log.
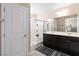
(15, 30)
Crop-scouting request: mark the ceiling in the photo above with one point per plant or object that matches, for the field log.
(40, 8)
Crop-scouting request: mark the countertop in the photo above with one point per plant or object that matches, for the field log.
(72, 34)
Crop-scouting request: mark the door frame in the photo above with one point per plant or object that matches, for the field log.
(2, 30)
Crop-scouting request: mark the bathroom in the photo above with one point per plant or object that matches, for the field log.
(53, 19)
(39, 29)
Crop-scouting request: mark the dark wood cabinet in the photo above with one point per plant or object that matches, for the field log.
(46, 40)
(62, 43)
(52, 41)
(66, 44)
(74, 45)
(49, 41)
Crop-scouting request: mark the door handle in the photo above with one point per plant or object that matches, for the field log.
(25, 35)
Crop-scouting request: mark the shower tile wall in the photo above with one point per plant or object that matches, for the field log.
(36, 32)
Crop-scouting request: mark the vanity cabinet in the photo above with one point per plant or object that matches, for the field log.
(66, 44)
(74, 45)
(62, 43)
(49, 41)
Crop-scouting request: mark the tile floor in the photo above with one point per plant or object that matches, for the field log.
(38, 53)
(35, 53)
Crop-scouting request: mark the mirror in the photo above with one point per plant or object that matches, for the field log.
(63, 24)
(66, 24)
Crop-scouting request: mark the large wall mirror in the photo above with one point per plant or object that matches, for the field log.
(64, 24)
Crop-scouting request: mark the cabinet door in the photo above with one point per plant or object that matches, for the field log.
(65, 43)
(52, 41)
(62, 43)
(49, 40)
(74, 45)
(46, 39)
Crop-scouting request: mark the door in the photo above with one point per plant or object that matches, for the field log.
(15, 42)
